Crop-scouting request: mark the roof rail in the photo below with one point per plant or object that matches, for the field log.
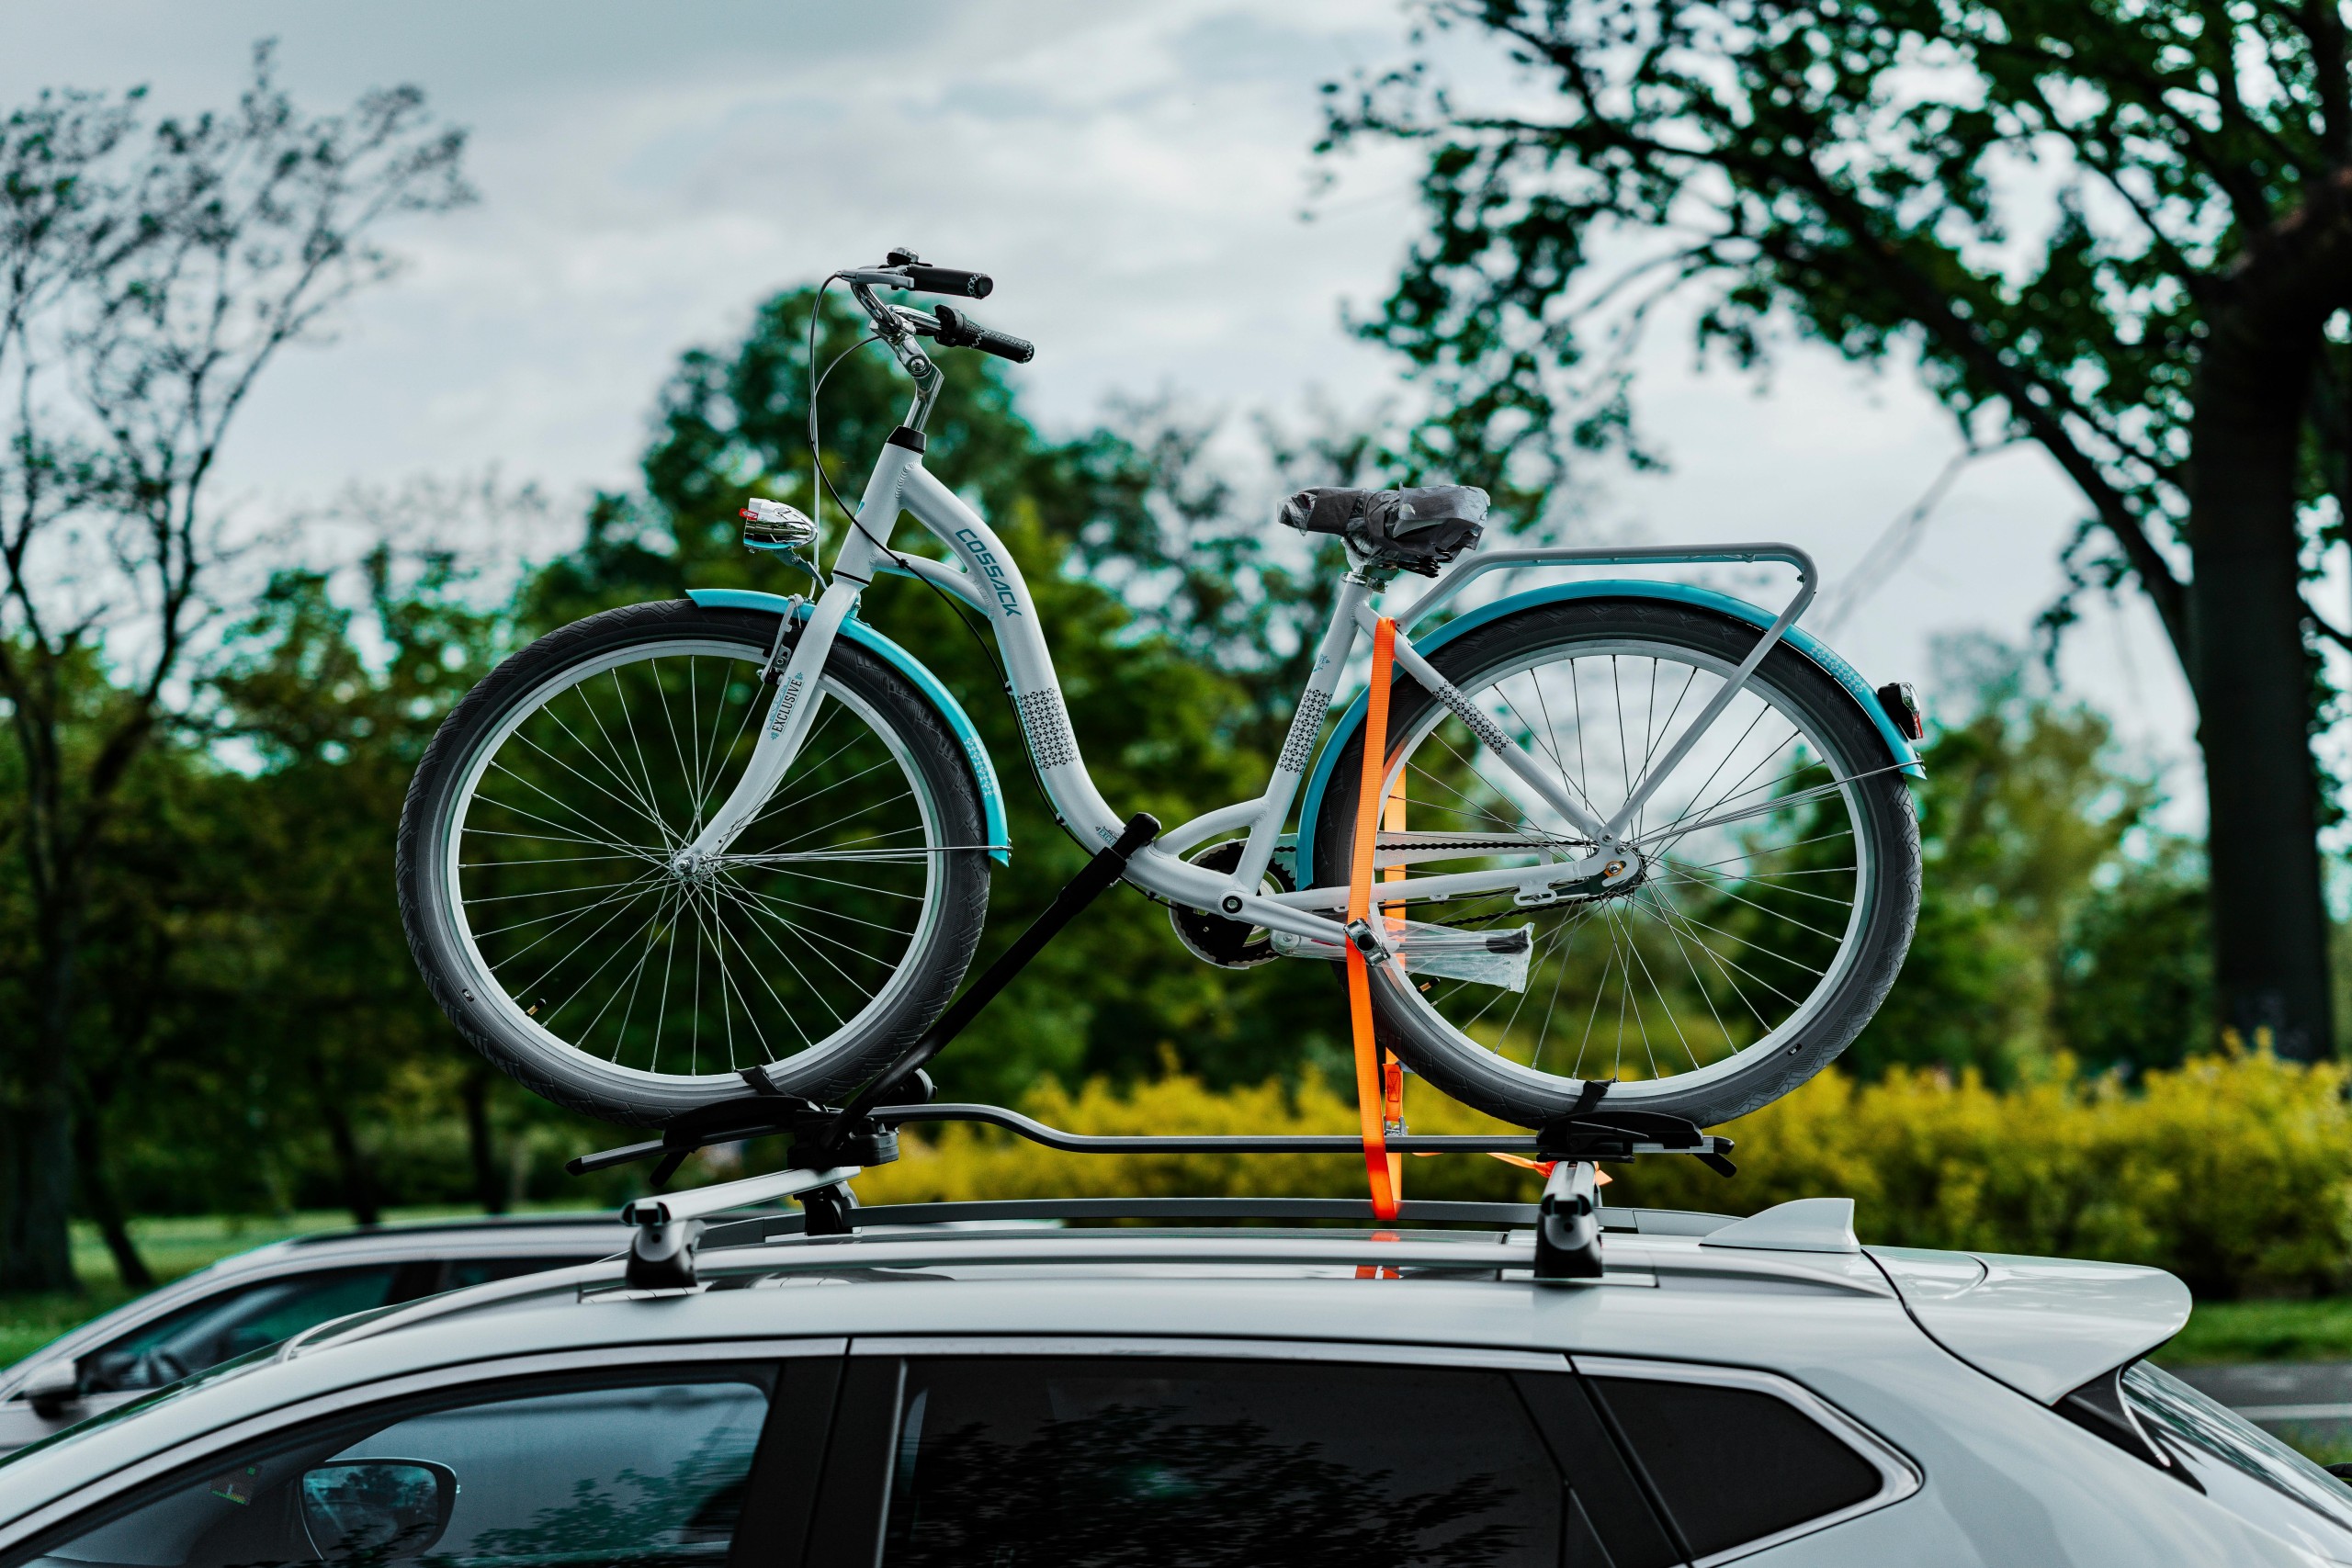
(454, 1223)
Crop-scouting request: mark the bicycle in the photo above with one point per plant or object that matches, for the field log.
(1633, 831)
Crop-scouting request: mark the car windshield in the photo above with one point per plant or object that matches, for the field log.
(228, 1324)
(2224, 1451)
(106, 1418)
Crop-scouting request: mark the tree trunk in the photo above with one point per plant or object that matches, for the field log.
(360, 1192)
(2255, 685)
(38, 1254)
(490, 1189)
(104, 1206)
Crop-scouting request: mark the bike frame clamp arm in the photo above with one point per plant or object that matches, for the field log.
(1108, 865)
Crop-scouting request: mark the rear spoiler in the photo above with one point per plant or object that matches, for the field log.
(2043, 1325)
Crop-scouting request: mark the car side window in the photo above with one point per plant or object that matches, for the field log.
(1080, 1460)
(230, 1324)
(1733, 1465)
(651, 1475)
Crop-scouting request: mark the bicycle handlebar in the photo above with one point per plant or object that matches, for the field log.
(958, 330)
(950, 280)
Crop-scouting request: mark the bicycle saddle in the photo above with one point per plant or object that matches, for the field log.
(1416, 530)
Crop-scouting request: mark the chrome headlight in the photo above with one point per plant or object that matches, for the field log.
(773, 525)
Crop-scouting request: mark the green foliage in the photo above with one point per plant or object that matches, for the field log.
(2052, 915)
(2135, 971)
(2233, 1171)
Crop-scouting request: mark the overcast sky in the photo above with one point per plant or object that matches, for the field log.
(1133, 176)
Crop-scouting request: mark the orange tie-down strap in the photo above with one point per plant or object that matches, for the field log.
(1380, 1083)
(1372, 1085)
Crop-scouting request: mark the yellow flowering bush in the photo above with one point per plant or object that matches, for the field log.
(2233, 1170)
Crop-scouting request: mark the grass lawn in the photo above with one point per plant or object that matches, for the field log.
(172, 1247)
(2263, 1331)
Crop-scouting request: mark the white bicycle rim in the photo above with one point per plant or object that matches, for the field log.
(1654, 1049)
(735, 987)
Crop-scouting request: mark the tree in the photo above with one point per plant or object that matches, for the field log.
(339, 733)
(149, 274)
(2119, 229)
(2036, 842)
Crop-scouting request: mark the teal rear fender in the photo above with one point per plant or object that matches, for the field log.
(975, 752)
(1898, 745)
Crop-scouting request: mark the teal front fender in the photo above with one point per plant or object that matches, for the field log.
(974, 751)
(1898, 745)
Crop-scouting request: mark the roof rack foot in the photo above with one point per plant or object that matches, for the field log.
(662, 1256)
(1567, 1228)
(827, 1210)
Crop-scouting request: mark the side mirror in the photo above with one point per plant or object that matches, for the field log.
(375, 1509)
(53, 1388)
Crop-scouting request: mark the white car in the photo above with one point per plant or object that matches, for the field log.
(258, 1298)
(1017, 1387)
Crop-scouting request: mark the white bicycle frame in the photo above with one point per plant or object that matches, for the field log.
(992, 584)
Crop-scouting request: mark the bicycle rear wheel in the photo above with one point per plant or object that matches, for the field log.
(1778, 862)
(537, 886)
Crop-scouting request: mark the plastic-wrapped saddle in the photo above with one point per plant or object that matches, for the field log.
(1416, 530)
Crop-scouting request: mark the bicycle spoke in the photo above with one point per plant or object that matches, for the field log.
(1725, 930)
(773, 947)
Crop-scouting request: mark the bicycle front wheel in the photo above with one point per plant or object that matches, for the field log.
(542, 903)
(1777, 880)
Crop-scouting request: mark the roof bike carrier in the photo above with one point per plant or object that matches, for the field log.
(831, 1144)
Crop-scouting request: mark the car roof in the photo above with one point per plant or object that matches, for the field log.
(1777, 1293)
(1677, 1286)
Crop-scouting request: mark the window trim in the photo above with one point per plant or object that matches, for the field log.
(1899, 1475)
(653, 1358)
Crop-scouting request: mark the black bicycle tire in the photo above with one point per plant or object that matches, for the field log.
(581, 1082)
(1481, 1079)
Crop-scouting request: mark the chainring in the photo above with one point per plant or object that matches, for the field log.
(1228, 944)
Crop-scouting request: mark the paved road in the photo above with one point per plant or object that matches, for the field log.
(2305, 1394)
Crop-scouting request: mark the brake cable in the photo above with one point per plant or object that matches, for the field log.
(824, 487)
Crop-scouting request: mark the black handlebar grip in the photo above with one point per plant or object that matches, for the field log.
(951, 281)
(958, 330)
(1004, 346)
